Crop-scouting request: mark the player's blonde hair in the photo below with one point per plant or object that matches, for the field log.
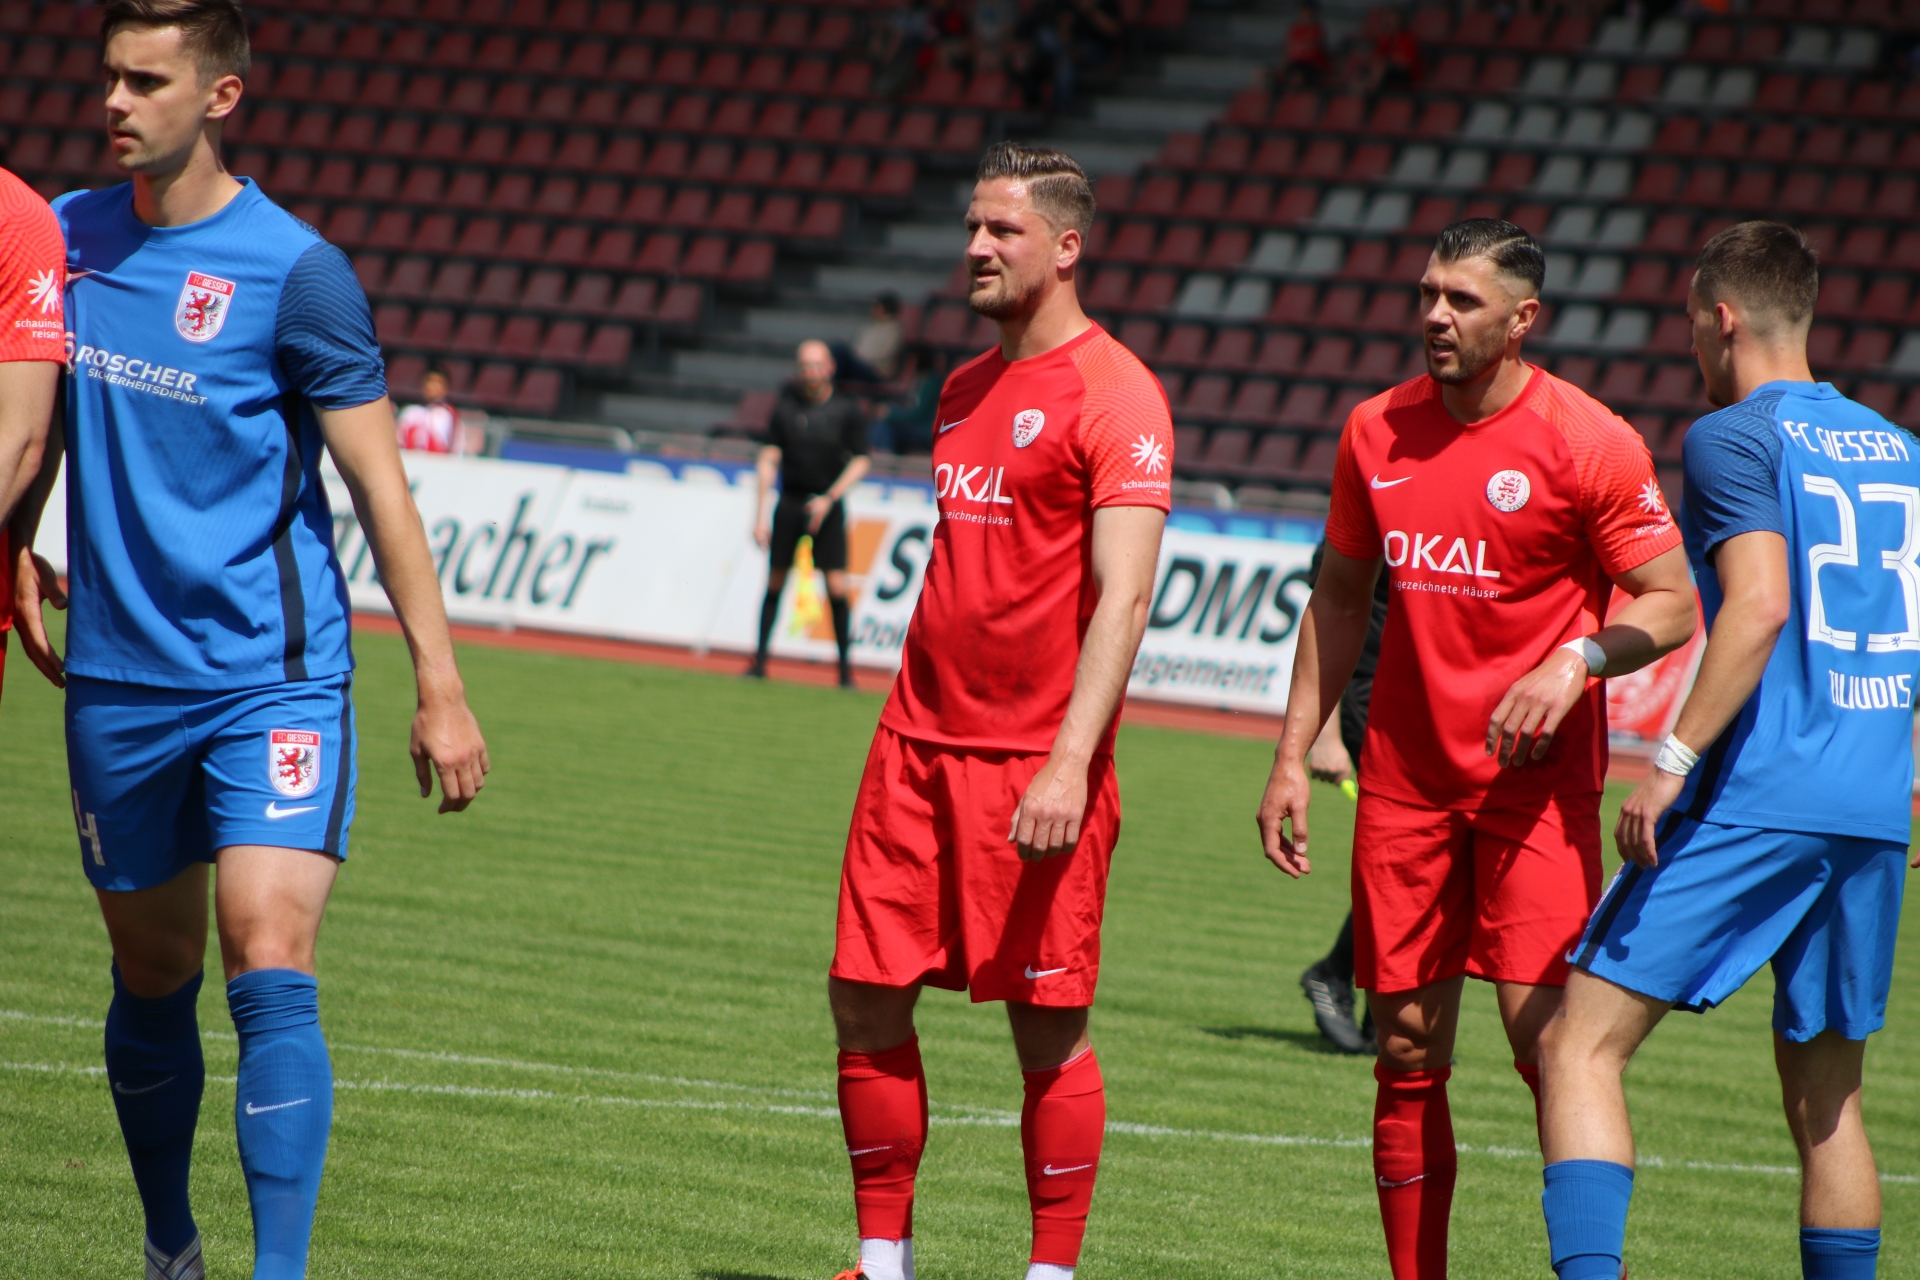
(1055, 182)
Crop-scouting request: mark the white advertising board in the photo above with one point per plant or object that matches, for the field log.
(665, 554)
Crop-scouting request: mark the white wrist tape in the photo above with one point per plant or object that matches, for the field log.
(1675, 757)
(1589, 650)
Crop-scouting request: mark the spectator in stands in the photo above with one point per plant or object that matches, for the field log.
(994, 24)
(1393, 62)
(896, 46)
(874, 354)
(1068, 37)
(907, 425)
(1307, 61)
(434, 425)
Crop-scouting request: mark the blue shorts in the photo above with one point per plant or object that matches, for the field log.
(1725, 900)
(164, 777)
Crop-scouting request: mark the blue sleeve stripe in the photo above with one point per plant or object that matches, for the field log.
(324, 332)
(1733, 464)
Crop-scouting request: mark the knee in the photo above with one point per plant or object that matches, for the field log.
(869, 1018)
(158, 972)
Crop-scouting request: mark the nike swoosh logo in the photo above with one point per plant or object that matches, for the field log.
(125, 1092)
(1052, 1172)
(949, 426)
(1391, 1185)
(278, 1106)
(867, 1151)
(1378, 483)
(1033, 973)
(275, 811)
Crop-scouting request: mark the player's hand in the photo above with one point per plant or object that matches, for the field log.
(1047, 819)
(763, 533)
(1328, 760)
(1524, 723)
(817, 508)
(446, 741)
(34, 583)
(1286, 802)
(1633, 835)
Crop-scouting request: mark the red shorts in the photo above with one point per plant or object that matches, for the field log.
(932, 890)
(1500, 894)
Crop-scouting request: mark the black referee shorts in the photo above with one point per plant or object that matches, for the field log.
(790, 524)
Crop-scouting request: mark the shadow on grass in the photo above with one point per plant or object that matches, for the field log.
(1312, 1041)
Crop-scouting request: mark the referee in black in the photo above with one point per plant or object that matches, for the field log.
(817, 447)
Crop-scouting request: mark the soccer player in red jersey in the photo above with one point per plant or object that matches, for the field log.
(1506, 505)
(988, 812)
(33, 347)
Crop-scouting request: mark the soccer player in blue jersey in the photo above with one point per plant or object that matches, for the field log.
(217, 346)
(1774, 826)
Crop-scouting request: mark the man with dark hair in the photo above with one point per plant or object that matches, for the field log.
(1505, 505)
(1776, 820)
(817, 448)
(988, 812)
(218, 346)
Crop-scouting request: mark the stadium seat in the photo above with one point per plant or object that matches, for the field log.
(1304, 407)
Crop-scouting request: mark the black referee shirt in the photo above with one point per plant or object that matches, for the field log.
(816, 441)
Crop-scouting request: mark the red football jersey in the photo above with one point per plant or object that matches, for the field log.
(1499, 539)
(1024, 452)
(33, 274)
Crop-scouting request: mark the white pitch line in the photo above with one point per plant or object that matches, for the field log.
(964, 1114)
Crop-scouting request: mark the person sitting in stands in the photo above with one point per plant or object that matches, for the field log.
(1307, 61)
(432, 426)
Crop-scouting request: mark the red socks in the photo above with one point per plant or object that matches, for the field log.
(883, 1111)
(1061, 1127)
(1414, 1165)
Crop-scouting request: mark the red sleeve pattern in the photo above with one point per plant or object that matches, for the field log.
(1627, 519)
(1126, 428)
(33, 272)
(1351, 529)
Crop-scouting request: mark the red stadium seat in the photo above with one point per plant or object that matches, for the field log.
(660, 255)
(1135, 242)
(779, 216)
(1278, 156)
(1252, 201)
(412, 280)
(546, 290)
(1676, 386)
(519, 338)
(1182, 246)
(1623, 383)
(592, 293)
(1255, 401)
(681, 306)
(499, 286)
(1226, 450)
(826, 220)
(1206, 397)
(637, 300)
(1305, 407)
(1232, 350)
(752, 263)
(1341, 308)
(870, 127)
(917, 131)
(1330, 357)
(1297, 204)
(1229, 247)
(1158, 196)
(1867, 348)
(1274, 456)
(1204, 199)
(646, 204)
(1185, 345)
(475, 336)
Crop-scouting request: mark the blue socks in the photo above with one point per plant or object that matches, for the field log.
(1586, 1206)
(156, 1072)
(1838, 1253)
(283, 1112)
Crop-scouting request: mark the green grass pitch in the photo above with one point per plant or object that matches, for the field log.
(581, 1030)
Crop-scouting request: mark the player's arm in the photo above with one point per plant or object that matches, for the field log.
(34, 580)
(1659, 618)
(1126, 554)
(1758, 596)
(850, 475)
(1328, 759)
(1332, 632)
(27, 392)
(768, 465)
(446, 738)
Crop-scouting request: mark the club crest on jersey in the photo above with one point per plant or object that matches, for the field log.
(293, 761)
(202, 309)
(1509, 490)
(1026, 427)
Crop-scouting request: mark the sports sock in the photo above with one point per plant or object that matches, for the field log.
(1340, 959)
(886, 1259)
(842, 628)
(1414, 1166)
(769, 610)
(1048, 1271)
(1530, 1072)
(883, 1112)
(1839, 1253)
(1062, 1123)
(157, 1075)
(1585, 1202)
(283, 1110)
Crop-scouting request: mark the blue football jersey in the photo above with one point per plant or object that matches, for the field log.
(199, 541)
(1825, 744)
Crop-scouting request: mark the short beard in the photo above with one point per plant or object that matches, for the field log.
(1008, 306)
(1472, 362)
